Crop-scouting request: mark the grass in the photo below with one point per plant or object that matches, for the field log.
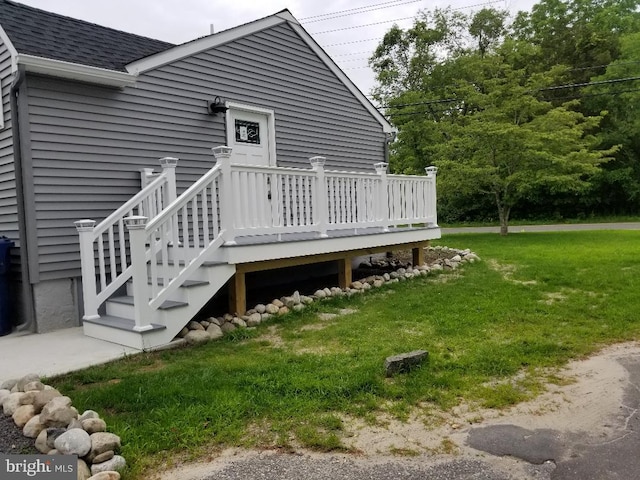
(494, 333)
(547, 221)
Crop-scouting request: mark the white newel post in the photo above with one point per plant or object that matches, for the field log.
(320, 202)
(137, 239)
(88, 266)
(168, 165)
(383, 194)
(223, 158)
(431, 173)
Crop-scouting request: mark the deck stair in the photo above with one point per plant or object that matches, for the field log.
(160, 258)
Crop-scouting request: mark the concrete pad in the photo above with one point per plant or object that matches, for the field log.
(54, 353)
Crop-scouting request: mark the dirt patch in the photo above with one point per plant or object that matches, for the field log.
(271, 337)
(585, 397)
(507, 272)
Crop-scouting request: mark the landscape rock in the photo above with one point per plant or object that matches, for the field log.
(327, 292)
(8, 384)
(296, 297)
(33, 427)
(75, 423)
(283, 311)
(320, 294)
(116, 464)
(305, 300)
(73, 442)
(11, 403)
(205, 324)
(277, 303)
(195, 337)
(103, 442)
(214, 320)
(4, 394)
(105, 476)
(254, 319)
(87, 414)
(52, 435)
(238, 322)
(298, 308)
(83, 472)
(103, 457)
(228, 327)
(214, 331)
(260, 308)
(356, 285)
(193, 325)
(58, 412)
(41, 442)
(183, 333)
(404, 362)
(265, 316)
(32, 377)
(22, 415)
(93, 425)
(271, 309)
(33, 386)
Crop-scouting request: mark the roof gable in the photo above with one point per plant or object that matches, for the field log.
(44, 34)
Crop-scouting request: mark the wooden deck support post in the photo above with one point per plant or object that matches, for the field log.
(238, 293)
(345, 273)
(418, 253)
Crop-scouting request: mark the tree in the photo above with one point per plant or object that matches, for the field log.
(510, 144)
(479, 99)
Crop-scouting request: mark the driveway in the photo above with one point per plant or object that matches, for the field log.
(546, 228)
(588, 428)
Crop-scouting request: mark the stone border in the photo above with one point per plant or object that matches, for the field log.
(47, 416)
(214, 328)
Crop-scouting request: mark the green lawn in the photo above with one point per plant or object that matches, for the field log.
(534, 302)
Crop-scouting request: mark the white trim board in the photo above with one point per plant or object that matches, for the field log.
(75, 71)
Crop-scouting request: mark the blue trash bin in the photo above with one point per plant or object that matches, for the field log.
(6, 323)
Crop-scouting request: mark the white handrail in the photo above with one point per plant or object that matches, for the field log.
(106, 244)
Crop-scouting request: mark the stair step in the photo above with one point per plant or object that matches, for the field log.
(167, 305)
(182, 263)
(120, 323)
(185, 284)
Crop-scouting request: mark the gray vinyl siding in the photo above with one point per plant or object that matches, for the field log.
(8, 198)
(88, 142)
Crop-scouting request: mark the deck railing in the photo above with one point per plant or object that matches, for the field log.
(104, 249)
(168, 241)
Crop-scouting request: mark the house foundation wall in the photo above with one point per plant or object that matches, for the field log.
(56, 304)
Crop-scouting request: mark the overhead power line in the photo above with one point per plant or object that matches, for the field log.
(588, 84)
(401, 19)
(353, 41)
(356, 11)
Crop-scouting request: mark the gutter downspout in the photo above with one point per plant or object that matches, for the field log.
(27, 293)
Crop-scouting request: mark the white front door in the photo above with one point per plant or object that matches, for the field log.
(250, 132)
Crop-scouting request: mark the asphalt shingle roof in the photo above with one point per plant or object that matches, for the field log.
(45, 34)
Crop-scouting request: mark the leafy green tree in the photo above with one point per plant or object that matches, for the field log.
(616, 189)
(510, 144)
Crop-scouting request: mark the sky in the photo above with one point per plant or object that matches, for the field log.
(348, 30)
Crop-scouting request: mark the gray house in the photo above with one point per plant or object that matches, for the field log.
(85, 108)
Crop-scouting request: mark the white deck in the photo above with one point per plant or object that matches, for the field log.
(175, 251)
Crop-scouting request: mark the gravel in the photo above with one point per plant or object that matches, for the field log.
(11, 439)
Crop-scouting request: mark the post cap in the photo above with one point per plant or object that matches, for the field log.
(135, 222)
(168, 162)
(317, 162)
(431, 171)
(85, 225)
(381, 167)
(222, 151)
